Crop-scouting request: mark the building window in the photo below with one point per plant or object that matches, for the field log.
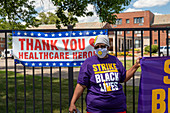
(138, 32)
(127, 21)
(128, 32)
(138, 20)
(155, 41)
(119, 32)
(168, 41)
(118, 21)
(2, 45)
(137, 43)
(2, 39)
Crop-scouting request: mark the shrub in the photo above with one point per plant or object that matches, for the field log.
(145, 53)
(136, 49)
(130, 55)
(154, 49)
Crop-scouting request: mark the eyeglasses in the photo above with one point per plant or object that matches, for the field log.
(102, 46)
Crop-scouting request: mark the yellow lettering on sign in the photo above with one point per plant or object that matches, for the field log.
(160, 101)
(167, 70)
(168, 100)
(166, 66)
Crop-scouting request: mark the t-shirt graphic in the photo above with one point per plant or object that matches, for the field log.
(106, 76)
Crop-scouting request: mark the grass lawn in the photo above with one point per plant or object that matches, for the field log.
(38, 94)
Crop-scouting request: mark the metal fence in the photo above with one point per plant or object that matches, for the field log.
(70, 69)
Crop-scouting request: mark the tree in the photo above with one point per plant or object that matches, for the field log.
(47, 18)
(51, 18)
(15, 11)
(5, 25)
(67, 10)
(12, 25)
(104, 8)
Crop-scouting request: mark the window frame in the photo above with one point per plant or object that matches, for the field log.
(156, 41)
(118, 21)
(138, 32)
(119, 32)
(2, 39)
(127, 21)
(2, 45)
(138, 20)
(127, 32)
(139, 43)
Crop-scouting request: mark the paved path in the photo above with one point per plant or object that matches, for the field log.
(55, 71)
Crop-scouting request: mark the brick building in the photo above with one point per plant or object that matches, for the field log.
(140, 19)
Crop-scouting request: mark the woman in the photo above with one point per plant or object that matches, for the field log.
(102, 74)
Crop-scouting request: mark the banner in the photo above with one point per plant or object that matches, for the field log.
(59, 49)
(154, 91)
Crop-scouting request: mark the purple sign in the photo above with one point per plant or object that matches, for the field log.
(154, 90)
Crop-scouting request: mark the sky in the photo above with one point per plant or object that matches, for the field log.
(155, 6)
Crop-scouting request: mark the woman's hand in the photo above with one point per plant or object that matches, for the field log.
(72, 108)
(132, 70)
(138, 62)
(77, 93)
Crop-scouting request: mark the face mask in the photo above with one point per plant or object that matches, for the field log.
(101, 52)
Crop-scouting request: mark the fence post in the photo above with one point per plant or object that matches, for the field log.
(6, 63)
(70, 74)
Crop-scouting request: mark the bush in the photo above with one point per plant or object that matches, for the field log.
(136, 49)
(145, 53)
(130, 55)
(154, 49)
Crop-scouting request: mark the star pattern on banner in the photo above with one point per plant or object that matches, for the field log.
(75, 64)
(80, 33)
(60, 34)
(46, 34)
(52, 64)
(53, 35)
(39, 34)
(18, 33)
(61, 64)
(87, 33)
(33, 64)
(66, 34)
